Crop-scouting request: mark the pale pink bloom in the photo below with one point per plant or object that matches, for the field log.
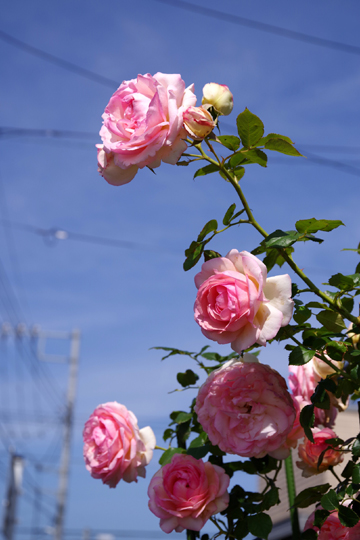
(302, 381)
(198, 122)
(332, 529)
(237, 303)
(218, 96)
(246, 409)
(297, 431)
(309, 453)
(143, 122)
(114, 447)
(186, 492)
(323, 369)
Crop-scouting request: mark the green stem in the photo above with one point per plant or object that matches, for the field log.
(290, 480)
(160, 448)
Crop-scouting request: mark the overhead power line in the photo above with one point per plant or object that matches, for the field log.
(263, 27)
(65, 64)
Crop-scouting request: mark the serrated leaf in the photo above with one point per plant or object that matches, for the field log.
(229, 141)
(302, 314)
(345, 283)
(281, 239)
(250, 128)
(320, 516)
(356, 447)
(347, 517)
(313, 225)
(331, 320)
(274, 136)
(260, 525)
(356, 474)
(300, 356)
(348, 303)
(180, 417)
(279, 145)
(168, 454)
(237, 159)
(168, 433)
(239, 172)
(315, 305)
(193, 254)
(329, 501)
(208, 169)
(310, 495)
(257, 156)
(198, 452)
(210, 226)
(228, 214)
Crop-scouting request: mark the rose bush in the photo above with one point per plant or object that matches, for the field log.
(186, 492)
(246, 409)
(114, 447)
(332, 529)
(143, 125)
(237, 303)
(309, 453)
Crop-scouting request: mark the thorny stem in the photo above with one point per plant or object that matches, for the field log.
(233, 181)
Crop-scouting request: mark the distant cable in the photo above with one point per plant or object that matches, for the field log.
(65, 64)
(263, 27)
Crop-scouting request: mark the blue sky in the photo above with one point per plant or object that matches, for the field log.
(127, 301)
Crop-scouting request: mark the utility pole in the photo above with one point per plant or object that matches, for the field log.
(65, 454)
(13, 491)
(73, 361)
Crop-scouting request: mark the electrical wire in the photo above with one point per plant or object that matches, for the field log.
(263, 27)
(65, 64)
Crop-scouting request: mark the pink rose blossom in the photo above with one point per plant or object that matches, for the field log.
(237, 303)
(309, 453)
(198, 122)
(114, 447)
(186, 492)
(143, 124)
(332, 529)
(113, 175)
(246, 409)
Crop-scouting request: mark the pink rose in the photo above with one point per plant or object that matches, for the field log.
(297, 431)
(332, 529)
(309, 453)
(246, 409)
(114, 447)
(198, 122)
(237, 303)
(186, 492)
(108, 170)
(143, 124)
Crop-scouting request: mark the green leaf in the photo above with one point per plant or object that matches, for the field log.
(273, 136)
(302, 314)
(168, 454)
(300, 356)
(320, 517)
(356, 474)
(356, 447)
(257, 156)
(315, 305)
(271, 498)
(331, 320)
(198, 441)
(281, 239)
(348, 517)
(208, 227)
(310, 495)
(208, 169)
(307, 418)
(210, 254)
(345, 283)
(188, 378)
(241, 529)
(181, 417)
(239, 172)
(198, 452)
(348, 303)
(229, 141)
(260, 525)
(250, 128)
(193, 254)
(168, 433)
(237, 159)
(329, 501)
(313, 225)
(229, 214)
(279, 145)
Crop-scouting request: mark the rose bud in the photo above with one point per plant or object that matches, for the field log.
(198, 122)
(309, 453)
(219, 97)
